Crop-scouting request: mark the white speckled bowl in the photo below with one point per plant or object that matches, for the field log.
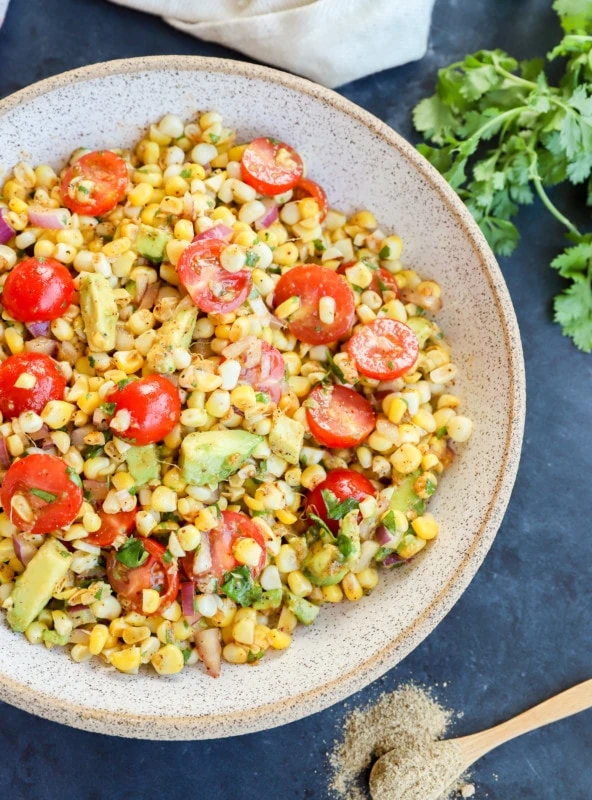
(362, 164)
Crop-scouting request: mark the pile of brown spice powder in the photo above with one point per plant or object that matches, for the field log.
(407, 720)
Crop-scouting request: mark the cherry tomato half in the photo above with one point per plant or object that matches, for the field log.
(44, 484)
(271, 167)
(232, 526)
(37, 290)
(310, 283)
(129, 582)
(112, 526)
(343, 483)
(384, 349)
(308, 188)
(338, 416)
(49, 383)
(106, 171)
(382, 280)
(212, 288)
(154, 407)
(268, 375)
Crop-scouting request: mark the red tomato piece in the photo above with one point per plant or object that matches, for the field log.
(268, 375)
(382, 280)
(344, 483)
(112, 526)
(49, 383)
(212, 288)
(232, 526)
(310, 283)
(48, 487)
(37, 290)
(155, 573)
(106, 171)
(308, 188)
(384, 349)
(338, 416)
(153, 405)
(271, 167)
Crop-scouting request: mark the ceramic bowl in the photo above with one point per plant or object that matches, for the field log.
(362, 164)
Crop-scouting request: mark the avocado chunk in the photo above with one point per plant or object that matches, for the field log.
(286, 437)
(422, 328)
(304, 611)
(151, 242)
(176, 332)
(142, 463)
(34, 588)
(324, 565)
(212, 456)
(270, 600)
(404, 498)
(99, 312)
(348, 540)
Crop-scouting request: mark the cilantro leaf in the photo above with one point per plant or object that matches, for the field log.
(324, 528)
(43, 495)
(239, 585)
(573, 311)
(335, 508)
(74, 476)
(133, 553)
(335, 368)
(345, 545)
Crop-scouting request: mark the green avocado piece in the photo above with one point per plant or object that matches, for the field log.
(404, 498)
(305, 611)
(142, 463)
(99, 312)
(212, 456)
(176, 332)
(422, 328)
(34, 588)
(151, 242)
(286, 437)
(270, 600)
(53, 637)
(323, 565)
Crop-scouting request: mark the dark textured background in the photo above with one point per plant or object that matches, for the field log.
(521, 632)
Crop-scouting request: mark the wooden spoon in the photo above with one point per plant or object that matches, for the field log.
(393, 778)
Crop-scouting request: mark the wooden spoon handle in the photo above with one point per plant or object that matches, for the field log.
(572, 701)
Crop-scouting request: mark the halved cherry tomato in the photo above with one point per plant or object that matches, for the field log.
(37, 290)
(49, 383)
(222, 538)
(129, 582)
(338, 416)
(106, 171)
(46, 484)
(382, 280)
(384, 349)
(268, 375)
(271, 167)
(308, 188)
(154, 407)
(344, 483)
(112, 526)
(309, 283)
(212, 288)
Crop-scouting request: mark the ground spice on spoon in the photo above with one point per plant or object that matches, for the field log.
(407, 720)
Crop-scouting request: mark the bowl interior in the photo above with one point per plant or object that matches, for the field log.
(361, 164)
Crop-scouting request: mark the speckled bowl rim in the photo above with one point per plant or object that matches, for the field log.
(269, 715)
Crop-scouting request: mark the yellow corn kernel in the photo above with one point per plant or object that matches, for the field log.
(184, 230)
(425, 527)
(247, 551)
(163, 500)
(364, 219)
(253, 503)
(287, 559)
(308, 207)
(98, 639)
(429, 461)
(368, 578)
(312, 476)
(122, 481)
(286, 255)
(299, 583)
(135, 634)
(351, 587)
(234, 653)
(410, 546)
(34, 632)
(127, 660)
(57, 413)
(243, 631)
(425, 420)
(279, 640)
(396, 410)
(286, 517)
(150, 601)
(80, 653)
(140, 194)
(406, 459)
(89, 402)
(43, 248)
(17, 205)
(148, 151)
(14, 341)
(391, 248)
(333, 594)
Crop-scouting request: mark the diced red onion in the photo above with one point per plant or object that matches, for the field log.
(78, 434)
(276, 323)
(55, 219)
(383, 536)
(394, 559)
(216, 232)
(23, 549)
(203, 558)
(42, 433)
(269, 217)
(188, 602)
(100, 420)
(4, 457)
(75, 609)
(6, 230)
(41, 344)
(38, 328)
(96, 489)
(209, 649)
(238, 348)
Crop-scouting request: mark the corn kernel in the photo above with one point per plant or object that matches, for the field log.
(299, 583)
(351, 587)
(333, 594)
(127, 660)
(425, 527)
(98, 639)
(247, 551)
(279, 640)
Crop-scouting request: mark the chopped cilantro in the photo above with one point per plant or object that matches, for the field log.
(253, 657)
(261, 397)
(238, 584)
(214, 138)
(123, 383)
(325, 529)
(389, 522)
(251, 258)
(133, 553)
(91, 361)
(272, 140)
(186, 654)
(345, 545)
(43, 495)
(385, 252)
(74, 476)
(336, 509)
(186, 173)
(430, 487)
(108, 408)
(318, 245)
(92, 452)
(390, 365)
(441, 432)
(167, 556)
(335, 369)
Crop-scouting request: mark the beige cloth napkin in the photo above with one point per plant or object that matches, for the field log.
(329, 41)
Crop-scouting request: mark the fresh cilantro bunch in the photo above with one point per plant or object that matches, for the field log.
(500, 134)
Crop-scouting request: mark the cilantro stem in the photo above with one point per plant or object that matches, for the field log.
(511, 77)
(512, 112)
(546, 200)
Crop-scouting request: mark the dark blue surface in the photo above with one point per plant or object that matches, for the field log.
(521, 632)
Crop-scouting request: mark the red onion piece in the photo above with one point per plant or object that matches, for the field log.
(209, 649)
(203, 558)
(38, 328)
(23, 549)
(42, 345)
(188, 602)
(55, 219)
(269, 217)
(42, 433)
(393, 560)
(216, 232)
(6, 230)
(76, 608)
(78, 434)
(96, 489)
(384, 537)
(4, 457)
(100, 420)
